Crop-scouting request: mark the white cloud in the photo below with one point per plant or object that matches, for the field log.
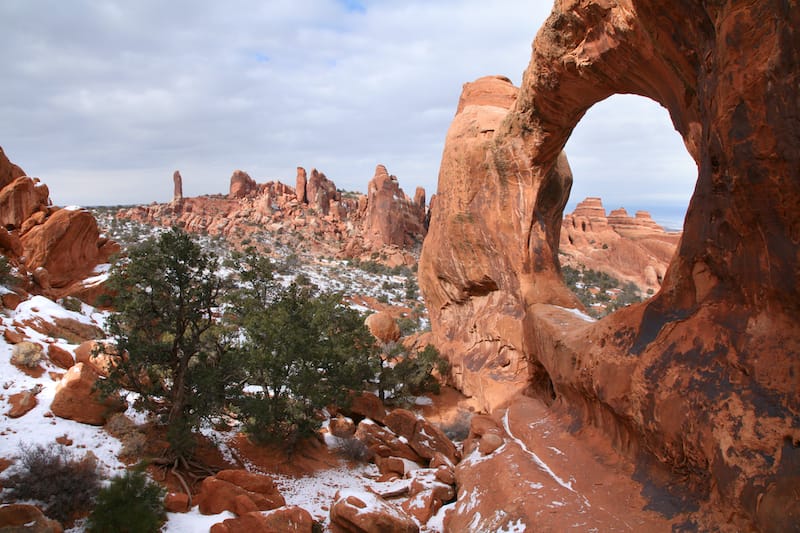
(105, 98)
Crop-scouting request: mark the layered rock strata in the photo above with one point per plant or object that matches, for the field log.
(702, 378)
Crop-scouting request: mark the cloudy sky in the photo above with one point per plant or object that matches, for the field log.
(103, 99)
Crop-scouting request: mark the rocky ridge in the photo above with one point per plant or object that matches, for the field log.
(384, 225)
(633, 249)
(700, 382)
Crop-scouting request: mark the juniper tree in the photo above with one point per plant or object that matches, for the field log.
(166, 298)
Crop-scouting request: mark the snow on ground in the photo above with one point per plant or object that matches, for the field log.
(35, 427)
(193, 521)
(577, 313)
(316, 493)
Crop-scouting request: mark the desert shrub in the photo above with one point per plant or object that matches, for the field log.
(131, 503)
(27, 354)
(71, 303)
(412, 375)
(353, 449)
(66, 486)
(6, 275)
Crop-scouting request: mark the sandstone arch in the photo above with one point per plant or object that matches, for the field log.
(705, 376)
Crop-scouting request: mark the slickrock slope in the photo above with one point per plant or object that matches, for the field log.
(386, 221)
(57, 248)
(702, 378)
(634, 249)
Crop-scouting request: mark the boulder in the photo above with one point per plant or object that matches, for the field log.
(17, 517)
(383, 327)
(176, 502)
(66, 245)
(289, 519)
(342, 427)
(424, 438)
(20, 200)
(21, 403)
(364, 512)
(239, 492)
(60, 357)
(76, 398)
(101, 356)
(383, 442)
(366, 405)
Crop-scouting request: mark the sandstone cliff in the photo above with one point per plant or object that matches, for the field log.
(703, 378)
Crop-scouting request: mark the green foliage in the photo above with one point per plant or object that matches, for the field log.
(131, 503)
(407, 326)
(166, 296)
(412, 373)
(302, 352)
(373, 267)
(71, 303)
(592, 287)
(65, 485)
(6, 275)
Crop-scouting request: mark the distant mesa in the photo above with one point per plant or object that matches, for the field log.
(384, 225)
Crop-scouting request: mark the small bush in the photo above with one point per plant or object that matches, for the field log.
(354, 450)
(65, 485)
(7, 277)
(71, 303)
(27, 354)
(131, 503)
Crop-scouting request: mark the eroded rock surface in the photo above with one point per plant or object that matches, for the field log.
(57, 247)
(629, 248)
(704, 376)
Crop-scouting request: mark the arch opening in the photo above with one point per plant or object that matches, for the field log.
(632, 181)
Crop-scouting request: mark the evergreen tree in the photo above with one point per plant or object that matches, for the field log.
(166, 296)
(302, 352)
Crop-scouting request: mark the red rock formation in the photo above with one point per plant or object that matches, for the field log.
(8, 170)
(289, 519)
(392, 219)
(383, 327)
(20, 200)
(238, 491)
(300, 185)
(320, 192)
(177, 182)
(68, 245)
(316, 211)
(242, 185)
(704, 376)
(77, 399)
(59, 247)
(365, 511)
(630, 249)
